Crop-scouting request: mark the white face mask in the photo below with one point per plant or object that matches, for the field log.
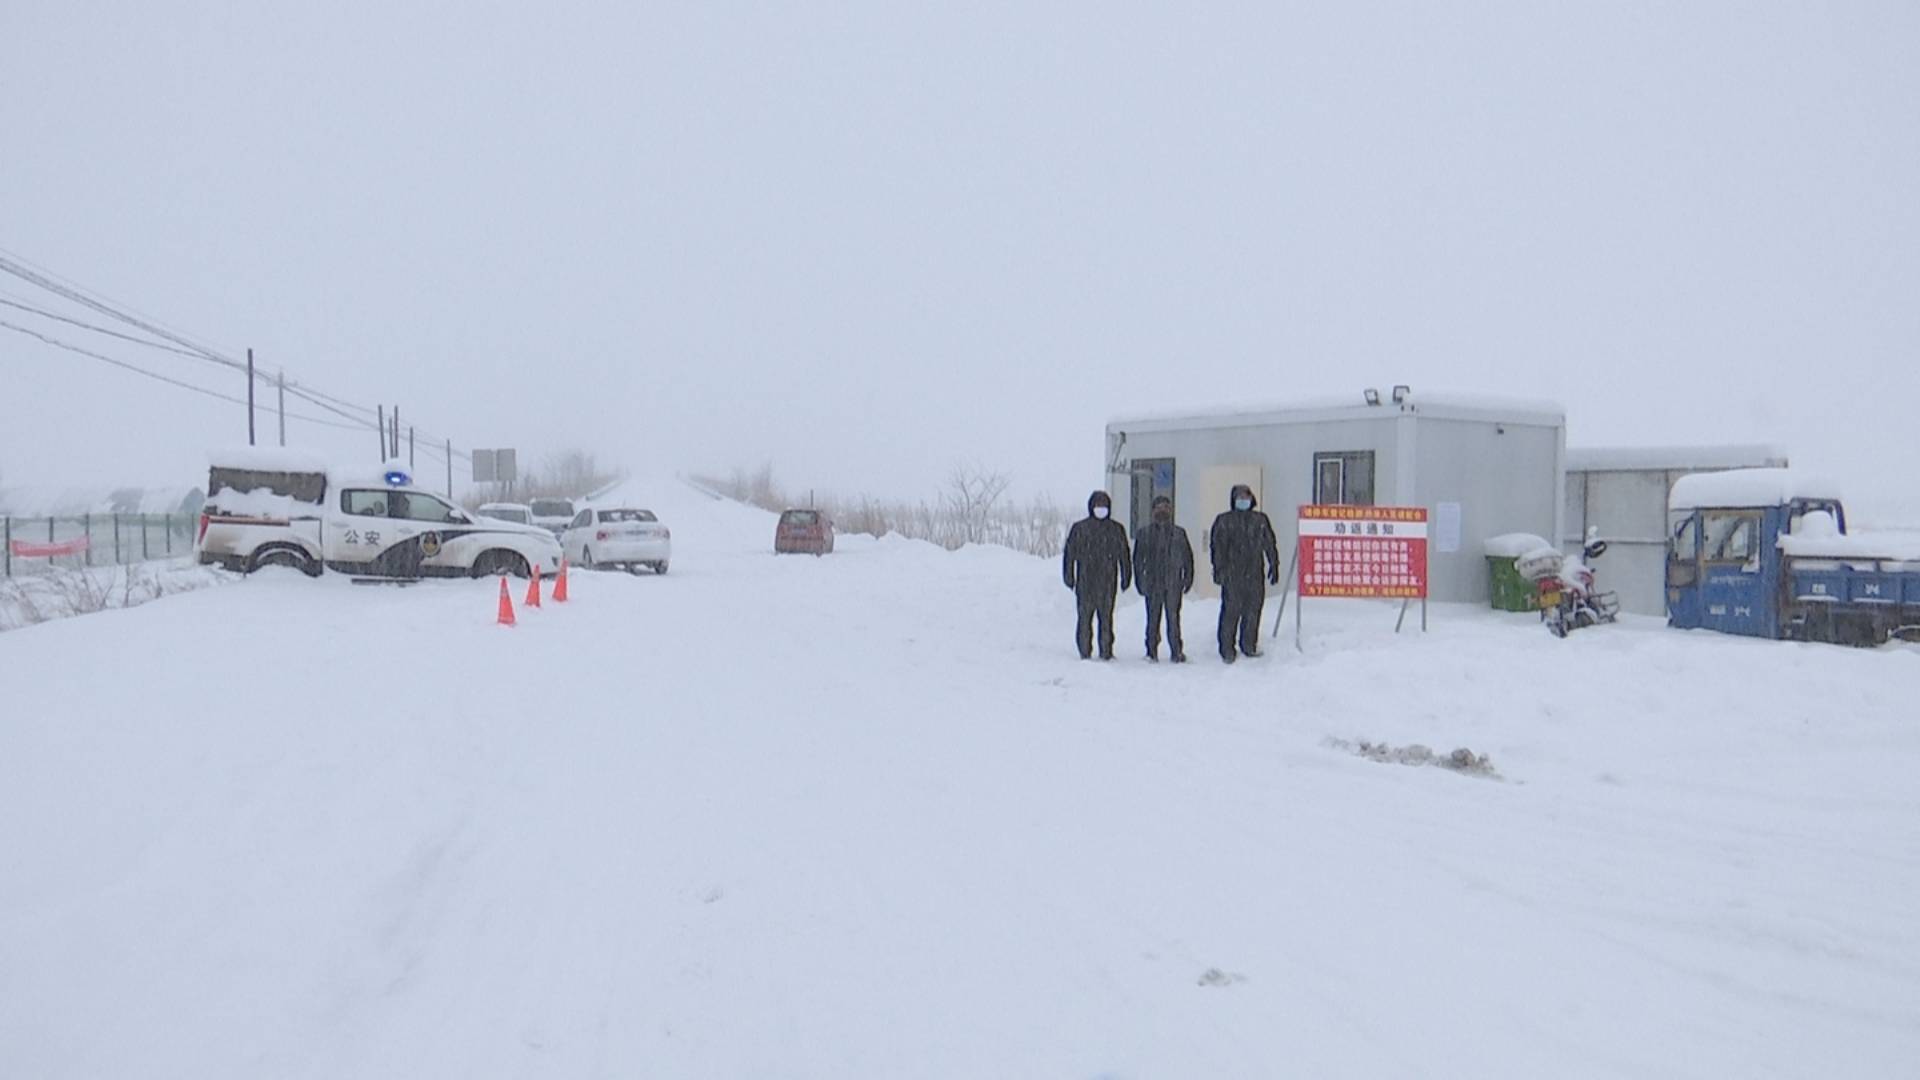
(1242, 504)
(1101, 512)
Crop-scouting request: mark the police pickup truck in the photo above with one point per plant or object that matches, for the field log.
(276, 508)
(1766, 553)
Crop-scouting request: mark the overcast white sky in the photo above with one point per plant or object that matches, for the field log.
(865, 241)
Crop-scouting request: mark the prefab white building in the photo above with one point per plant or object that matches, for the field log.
(1480, 466)
(1622, 492)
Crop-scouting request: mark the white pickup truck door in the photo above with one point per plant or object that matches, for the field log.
(363, 534)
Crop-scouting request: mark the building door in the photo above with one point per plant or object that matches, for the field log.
(1152, 478)
(1215, 497)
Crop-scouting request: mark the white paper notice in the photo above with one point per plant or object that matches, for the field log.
(1446, 527)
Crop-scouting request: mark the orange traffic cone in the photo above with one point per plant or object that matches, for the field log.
(533, 587)
(560, 583)
(506, 604)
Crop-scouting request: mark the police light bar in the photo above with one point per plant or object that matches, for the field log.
(398, 478)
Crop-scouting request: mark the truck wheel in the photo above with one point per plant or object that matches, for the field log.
(496, 562)
(285, 557)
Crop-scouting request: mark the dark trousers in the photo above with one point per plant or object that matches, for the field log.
(1240, 617)
(1092, 604)
(1165, 605)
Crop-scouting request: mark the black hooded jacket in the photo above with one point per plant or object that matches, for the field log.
(1096, 551)
(1245, 551)
(1162, 559)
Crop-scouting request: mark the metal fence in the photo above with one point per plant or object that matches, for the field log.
(109, 540)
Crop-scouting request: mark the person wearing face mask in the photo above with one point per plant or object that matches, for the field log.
(1246, 559)
(1163, 571)
(1095, 556)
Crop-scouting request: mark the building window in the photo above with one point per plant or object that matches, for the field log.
(1343, 478)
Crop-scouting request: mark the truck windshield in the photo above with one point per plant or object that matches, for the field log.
(552, 508)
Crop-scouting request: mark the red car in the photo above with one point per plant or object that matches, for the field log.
(803, 532)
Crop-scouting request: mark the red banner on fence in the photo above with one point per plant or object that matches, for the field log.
(26, 549)
(1363, 551)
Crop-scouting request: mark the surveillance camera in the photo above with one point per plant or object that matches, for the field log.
(1372, 396)
(1400, 393)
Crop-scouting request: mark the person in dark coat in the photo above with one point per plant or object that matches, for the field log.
(1096, 556)
(1163, 572)
(1246, 559)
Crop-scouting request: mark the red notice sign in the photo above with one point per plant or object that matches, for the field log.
(23, 549)
(1363, 551)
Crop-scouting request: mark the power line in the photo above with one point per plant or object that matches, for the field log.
(168, 379)
(102, 330)
(96, 294)
(26, 273)
(19, 266)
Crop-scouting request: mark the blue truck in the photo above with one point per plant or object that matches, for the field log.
(1766, 553)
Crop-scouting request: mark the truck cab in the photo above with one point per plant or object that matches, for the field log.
(1766, 553)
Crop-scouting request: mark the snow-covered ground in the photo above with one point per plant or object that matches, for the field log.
(60, 592)
(869, 816)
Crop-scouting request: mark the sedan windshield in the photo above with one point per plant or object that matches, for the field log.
(508, 513)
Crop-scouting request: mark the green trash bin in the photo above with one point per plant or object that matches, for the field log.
(1510, 591)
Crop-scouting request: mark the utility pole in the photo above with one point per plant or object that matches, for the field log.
(449, 468)
(249, 397)
(410, 445)
(394, 453)
(283, 408)
(382, 409)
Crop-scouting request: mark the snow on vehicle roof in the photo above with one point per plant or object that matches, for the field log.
(266, 459)
(1748, 487)
(1443, 406)
(503, 506)
(1823, 543)
(1630, 458)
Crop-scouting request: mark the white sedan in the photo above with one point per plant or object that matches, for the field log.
(625, 537)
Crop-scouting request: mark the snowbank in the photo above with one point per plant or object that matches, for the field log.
(62, 594)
